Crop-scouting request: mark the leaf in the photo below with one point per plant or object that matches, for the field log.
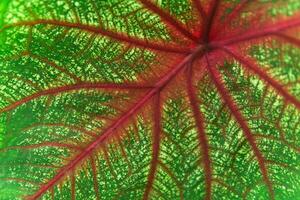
(141, 99)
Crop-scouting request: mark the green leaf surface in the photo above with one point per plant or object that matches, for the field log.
(149, 99)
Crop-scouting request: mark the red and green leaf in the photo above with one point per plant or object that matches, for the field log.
(142, 99)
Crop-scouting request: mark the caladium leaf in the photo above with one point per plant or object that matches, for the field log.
(141, 99)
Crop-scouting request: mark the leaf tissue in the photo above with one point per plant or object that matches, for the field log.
(150, 99)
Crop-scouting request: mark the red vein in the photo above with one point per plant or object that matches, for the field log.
(96, 10)
(200, 9)
(55, 66)
(174, 178)
(155, 146)
(226, 186)
(203, 141)
(73, 10)
(124, 154)
(21, 79)
(258, 33)
(252, 66)
(52, 193)
(111, 129)
(283, 165)
(248, 189)
(95, 179)
(101, 31)
(227, 98)
(70, 127)
(281, 140)
(236, 11)
(30, 165)
(289, 39)
(20, 180)
(108, 163)
(169, 19)
(5, 98)
(73, 191)
(210, 20)
(62, 89)
(49, 144)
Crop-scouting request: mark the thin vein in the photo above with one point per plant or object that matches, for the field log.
(210, 20)
(252, 66)
(203, 141)
(108, 132)
(155, 146)
(290, 39)
(55, 66)
(200, 9)
(169, 19)
(67, 88)
(234, 14)
(258, 33)
(68, 126)
(227, 98)
(39, 145)
(95, 176)
(98, 30)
